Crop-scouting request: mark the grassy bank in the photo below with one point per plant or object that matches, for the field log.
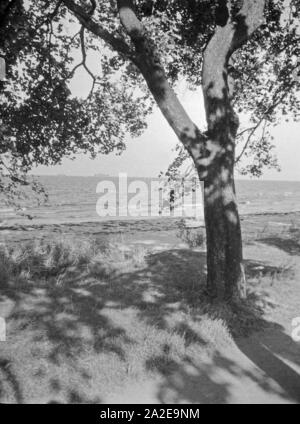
(97, 321)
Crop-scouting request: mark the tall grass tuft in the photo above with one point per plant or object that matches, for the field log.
(43, 259)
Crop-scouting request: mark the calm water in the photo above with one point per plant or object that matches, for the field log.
(74, 199)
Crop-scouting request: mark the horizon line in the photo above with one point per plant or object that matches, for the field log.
(147, 176)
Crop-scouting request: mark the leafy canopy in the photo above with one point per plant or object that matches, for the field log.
(45, 46)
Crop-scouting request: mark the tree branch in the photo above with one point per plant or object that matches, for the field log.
(247, 21)
(276, 102)
(149, 63)
(252, 131)
(146, 59)
(83, 62)
(225, 40)
(116, 43)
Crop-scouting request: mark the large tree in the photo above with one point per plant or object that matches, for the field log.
(242, 52)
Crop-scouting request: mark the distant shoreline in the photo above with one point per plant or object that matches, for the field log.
(126, 230)
(155, 177)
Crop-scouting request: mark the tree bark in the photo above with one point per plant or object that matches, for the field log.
(224, 240)
(225, 273)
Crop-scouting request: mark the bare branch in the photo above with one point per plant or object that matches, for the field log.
(14, 178)
(276, 102)
(252, 131)
(83, 62)
(244, 131)
(50, 26)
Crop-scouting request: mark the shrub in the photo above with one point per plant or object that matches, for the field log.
(193, 237)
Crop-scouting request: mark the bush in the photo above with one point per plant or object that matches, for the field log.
(193, 237)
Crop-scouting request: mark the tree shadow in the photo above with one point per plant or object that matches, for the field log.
(68, 321)
(9, 381)
(268, 349)
(288, 245)
(177, 280)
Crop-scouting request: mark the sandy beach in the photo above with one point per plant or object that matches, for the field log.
(140, 229)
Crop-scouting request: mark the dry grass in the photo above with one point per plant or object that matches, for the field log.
(55, 258)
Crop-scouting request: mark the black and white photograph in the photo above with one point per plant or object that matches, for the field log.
(149, 204)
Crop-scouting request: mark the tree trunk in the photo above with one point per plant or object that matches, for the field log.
(225, 275)
(212, 152)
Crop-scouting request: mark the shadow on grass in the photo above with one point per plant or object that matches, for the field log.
(9, 381)
(288, 245)
(69, 320)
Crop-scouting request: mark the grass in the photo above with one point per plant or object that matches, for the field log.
(43, 260)
(86, 319)
(84, 304)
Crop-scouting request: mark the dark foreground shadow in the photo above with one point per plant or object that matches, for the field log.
(269, 351)
(70, 321)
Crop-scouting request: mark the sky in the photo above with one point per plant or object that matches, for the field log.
(152, 152)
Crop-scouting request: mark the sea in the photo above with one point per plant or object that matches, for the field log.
(89, 199)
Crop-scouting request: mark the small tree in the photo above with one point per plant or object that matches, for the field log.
(242, 53)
